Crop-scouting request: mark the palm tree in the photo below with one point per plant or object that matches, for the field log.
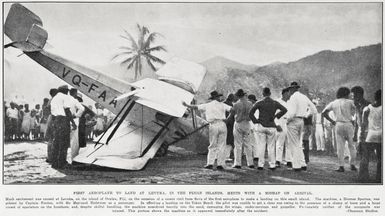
(140, 51)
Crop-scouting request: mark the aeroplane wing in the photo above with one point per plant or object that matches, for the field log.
(147, 107)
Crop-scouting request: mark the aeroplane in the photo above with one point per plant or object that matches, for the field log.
(149, 112)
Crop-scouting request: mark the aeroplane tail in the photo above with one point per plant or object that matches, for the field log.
(25, 29)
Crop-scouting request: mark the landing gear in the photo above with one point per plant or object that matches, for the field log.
(162, 151)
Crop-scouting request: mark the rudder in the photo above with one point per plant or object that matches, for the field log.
(24, 28)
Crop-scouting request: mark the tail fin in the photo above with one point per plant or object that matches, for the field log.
(25, 30)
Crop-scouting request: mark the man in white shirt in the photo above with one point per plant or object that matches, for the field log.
(77, 110)
(13, 116)
(343, 109)
(372, 125)
(62, 121)
(215, 114)
(301, 107)
(281, 137)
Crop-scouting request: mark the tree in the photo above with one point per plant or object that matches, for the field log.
(140, 51)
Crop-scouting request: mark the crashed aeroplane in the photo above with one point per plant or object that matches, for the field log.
(149, 113)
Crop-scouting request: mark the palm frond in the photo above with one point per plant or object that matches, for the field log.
(127, 60)
(157, 48)
(120, 54)
(131, 39)
(129, 66)
(140, 36)
(143, 31)
(155, 59)
(150, 63)
(150, 39)
(139, 27)
(126, 48)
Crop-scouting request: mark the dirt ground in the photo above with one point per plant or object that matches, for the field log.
(24, 163)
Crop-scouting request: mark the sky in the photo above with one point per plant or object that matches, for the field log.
(250, 33)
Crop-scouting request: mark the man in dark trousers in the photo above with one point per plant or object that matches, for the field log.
(360, 103)
(266, 130)
(49, 133)
(82, 123)
(62, 121)
(307, 132)
(372, 124)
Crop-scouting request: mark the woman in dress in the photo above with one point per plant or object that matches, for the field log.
(26, 123)
(45, 112)
(34, 125)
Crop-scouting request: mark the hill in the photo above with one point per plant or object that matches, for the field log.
(320, 75)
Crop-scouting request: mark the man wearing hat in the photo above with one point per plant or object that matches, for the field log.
(77, 110)
(215, 115)
(62, 121)
(242, 130)
(266, 128)
(301, 107)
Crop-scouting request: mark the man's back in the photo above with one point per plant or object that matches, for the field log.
(59, 103)
(342, 108)
(301, 105)
(214, 110)
(267, 109)
(242, 109)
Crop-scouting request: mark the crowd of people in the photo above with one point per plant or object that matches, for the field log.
(63, 121)
(288, 128)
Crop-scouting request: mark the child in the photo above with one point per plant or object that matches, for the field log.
(26, 123)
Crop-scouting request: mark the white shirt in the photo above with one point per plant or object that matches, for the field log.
(76, 107)
(342, 108)
(318, 118)
(300, 106)
(214, 110)
(374, 124)
(59, 103)
(283, 120)
(13, 113)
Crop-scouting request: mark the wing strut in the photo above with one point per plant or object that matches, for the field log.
(120, 122)
(112, 122)
(156, 137)
(116, 117)
(116, 127)
(189, 134)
